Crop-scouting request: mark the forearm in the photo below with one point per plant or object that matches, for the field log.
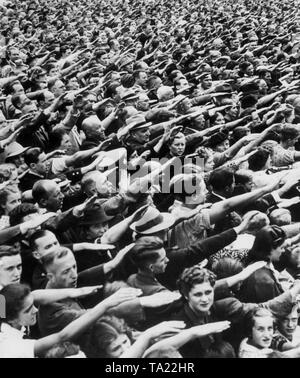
(108, 120)
(46, 296)
(291, 230)
(81, 155)
(114, 233)
(138, 348)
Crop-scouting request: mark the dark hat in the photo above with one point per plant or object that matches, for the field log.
(226, 87)
(129, 95)
(94, 216)
(249, 88)
(216, 139)
(125, 60)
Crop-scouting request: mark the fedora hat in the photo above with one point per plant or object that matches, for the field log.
(94, 216)
(138, 121)
(153, 221)
(129, 95)
(14, 149)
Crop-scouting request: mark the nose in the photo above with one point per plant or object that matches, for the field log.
(34, 310)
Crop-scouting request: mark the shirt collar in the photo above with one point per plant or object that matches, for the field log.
(12, 332)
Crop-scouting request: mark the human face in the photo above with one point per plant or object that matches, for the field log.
(219, 120)
(287, 326)
(30, 109)
(206, 82)
(142, 135)
(59, 88)
(96, 231)
(262, 332)
(222, 147)
(64, 272)
(142, 81)
(177, 148)
(27, 315)
(53, 72)
(233, 111)
(276, 253)
(209, 164)
(143, 103)
(45, 245)
(66, 144)
(159, 266)
(13, 200)
(201, 297)
(10, 270)
(14, 54)
(117, 347)
(55, 198)
(40, 166)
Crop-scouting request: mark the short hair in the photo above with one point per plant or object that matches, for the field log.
(220, 349)
(19, 212)
(266, 239)
(37, 235)
(193, 276)
(257, 312)
(4, 193)
(9, 250)
(32, 155)
(14, 295)
(278, 213)
(289, 132)
(63, 350)
(39, 191)
(51, 258)
(145, 250)
(226, 267)
(221, 178)
(56, 137)
(258, 160)
(151, 81)
(103, 333)
(136, 73)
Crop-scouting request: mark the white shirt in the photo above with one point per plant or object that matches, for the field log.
(12, 344)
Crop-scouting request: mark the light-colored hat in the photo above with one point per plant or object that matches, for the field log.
(14, 149)
(153, 221)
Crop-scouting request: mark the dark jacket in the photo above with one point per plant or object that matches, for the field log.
(194, 254)
(261, 286)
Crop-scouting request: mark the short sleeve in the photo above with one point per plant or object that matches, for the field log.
(17, 348)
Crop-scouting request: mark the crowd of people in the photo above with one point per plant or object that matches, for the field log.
(149, 179)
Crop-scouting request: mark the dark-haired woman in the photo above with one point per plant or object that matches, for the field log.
(21, 313)
(264, 284)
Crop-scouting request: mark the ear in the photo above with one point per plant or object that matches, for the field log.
(32, 165)
(43, 202)
(36, 255)
(50, 277)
